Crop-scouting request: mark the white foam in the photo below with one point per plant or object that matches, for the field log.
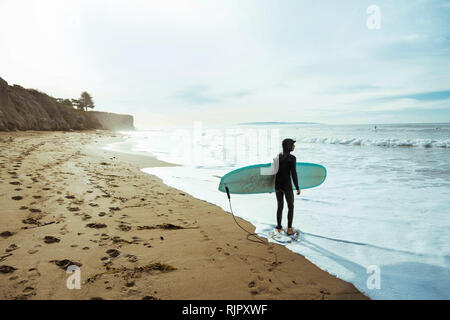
(394, 142)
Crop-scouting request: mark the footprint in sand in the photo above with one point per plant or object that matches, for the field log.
(6, 234)
(33, 273)
(28, 290)
(3, 258)
(34, 249)
(12, 247)
(132, 258)
(51, 239)
(7, 269)
(96, 225)
(30, 221)
(113, 253)
(104, 237)
(124, 227)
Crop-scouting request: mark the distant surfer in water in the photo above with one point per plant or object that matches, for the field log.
(286, 168)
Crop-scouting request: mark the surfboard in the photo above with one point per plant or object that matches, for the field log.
(254, 179)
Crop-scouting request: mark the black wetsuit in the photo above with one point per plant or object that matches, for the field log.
(283, 186)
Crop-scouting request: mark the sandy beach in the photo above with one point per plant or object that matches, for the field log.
(65, 201)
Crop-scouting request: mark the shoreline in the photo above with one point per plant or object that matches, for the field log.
(146, 240)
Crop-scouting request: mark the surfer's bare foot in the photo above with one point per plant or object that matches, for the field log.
(278, 230)
(290, 232)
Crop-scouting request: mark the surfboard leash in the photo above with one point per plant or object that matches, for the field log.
(249, 234)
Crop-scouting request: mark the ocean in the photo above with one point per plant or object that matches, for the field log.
(380, 221)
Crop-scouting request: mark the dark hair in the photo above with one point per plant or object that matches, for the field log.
(287, 147)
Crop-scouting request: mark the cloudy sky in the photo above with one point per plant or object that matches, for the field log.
(228, 61)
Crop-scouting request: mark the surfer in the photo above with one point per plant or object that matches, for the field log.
(283, 185)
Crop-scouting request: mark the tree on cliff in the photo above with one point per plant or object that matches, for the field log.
(84, 102)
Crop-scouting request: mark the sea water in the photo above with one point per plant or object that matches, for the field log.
(381, 220)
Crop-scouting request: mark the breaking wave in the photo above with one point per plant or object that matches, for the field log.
(424, 143)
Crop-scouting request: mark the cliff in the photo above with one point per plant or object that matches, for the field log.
(29, 109)
(113, 121)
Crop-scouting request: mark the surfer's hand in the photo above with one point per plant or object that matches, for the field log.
(298, 192)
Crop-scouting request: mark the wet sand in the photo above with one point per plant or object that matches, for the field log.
(64, 201)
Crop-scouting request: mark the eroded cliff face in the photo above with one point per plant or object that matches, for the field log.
(29, 109)
(113, 121)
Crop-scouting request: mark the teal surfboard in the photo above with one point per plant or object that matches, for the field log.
(251, 179)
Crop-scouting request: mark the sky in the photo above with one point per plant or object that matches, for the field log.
(216, 61)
